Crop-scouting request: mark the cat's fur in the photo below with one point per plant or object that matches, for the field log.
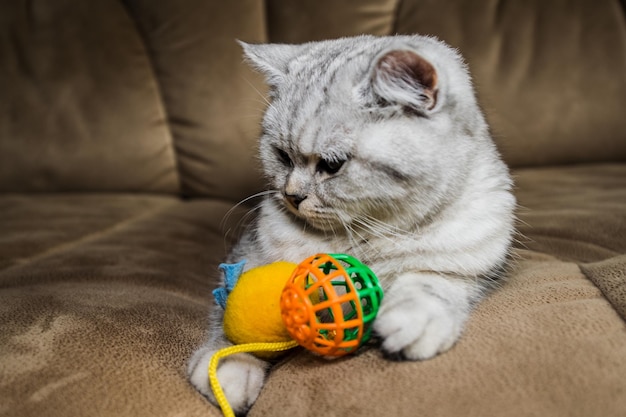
(376, 147)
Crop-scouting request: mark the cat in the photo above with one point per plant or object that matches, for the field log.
(376, 147)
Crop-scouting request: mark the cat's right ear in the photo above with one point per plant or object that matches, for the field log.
(402, 77)
(270, 59)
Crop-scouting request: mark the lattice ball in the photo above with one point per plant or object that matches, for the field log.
(329, 304)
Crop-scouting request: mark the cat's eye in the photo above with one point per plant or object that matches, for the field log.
(330, 166)
(284, 157)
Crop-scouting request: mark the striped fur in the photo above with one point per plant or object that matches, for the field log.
(376, 146)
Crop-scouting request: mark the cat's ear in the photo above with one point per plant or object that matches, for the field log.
(402, 77)
(270, 59)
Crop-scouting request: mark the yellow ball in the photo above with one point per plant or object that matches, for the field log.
(252, 311)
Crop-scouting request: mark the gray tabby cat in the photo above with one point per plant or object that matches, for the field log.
(376, 147)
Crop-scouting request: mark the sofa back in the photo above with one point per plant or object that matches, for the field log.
(154, 96)
(550, 75)
(137, 95)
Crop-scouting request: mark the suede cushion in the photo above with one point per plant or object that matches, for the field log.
(552, 79)
(79, 106)
(519, 53)
(546, 344)
(311, 20)
(50, 223)
(101, 319)
(610, 276)
(213, 99)
(577, 213)
(549, 342)
(165, 92)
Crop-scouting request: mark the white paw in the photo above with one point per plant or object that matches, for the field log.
(241, 376)
(418, 321)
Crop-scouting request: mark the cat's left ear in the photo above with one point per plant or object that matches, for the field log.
(403, 77)
(270, 59)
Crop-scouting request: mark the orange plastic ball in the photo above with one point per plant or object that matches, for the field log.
(329, 304)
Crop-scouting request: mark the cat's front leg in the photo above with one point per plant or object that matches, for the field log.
(241, 376)
(423, 314)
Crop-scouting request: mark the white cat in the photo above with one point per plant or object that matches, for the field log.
(376, 147)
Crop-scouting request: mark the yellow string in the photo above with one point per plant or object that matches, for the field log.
(231, 350)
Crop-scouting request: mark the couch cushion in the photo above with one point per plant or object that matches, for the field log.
(101, 319)
(139, 240)
(610, 276)
(311, 20)
(35, 227)
(80, 109)
(213, 99)
(546, 344)
(552, 79)
(97, 348)
(117, 307)
(576, 213)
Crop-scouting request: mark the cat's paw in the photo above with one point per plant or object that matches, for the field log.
(417, 323)
(241, 376)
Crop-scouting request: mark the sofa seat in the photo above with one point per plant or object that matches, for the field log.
(574, 212)
(103, 297)
(548, 323)
(550, 342)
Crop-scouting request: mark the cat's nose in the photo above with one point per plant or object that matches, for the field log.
(295, 200)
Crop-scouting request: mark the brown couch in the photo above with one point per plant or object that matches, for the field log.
(127, 132)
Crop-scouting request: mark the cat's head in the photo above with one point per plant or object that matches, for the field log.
(366, 129)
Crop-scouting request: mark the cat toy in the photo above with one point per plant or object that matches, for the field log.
(326, 304)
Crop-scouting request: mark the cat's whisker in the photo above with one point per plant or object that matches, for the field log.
(230, 212)
(241, 225)
(380, 229)
(263, 96)
(243, 221)
(254, 100)
(332, 228)
(304, 225)
(370, 250)
(351, 241)
(250, 213)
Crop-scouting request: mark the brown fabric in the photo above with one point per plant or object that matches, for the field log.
(102, 348)
(610, 276)
(577, 213)
(549, 342)
(163, 242)
(104, 325)
(213, 100)
(546, 344)
(101, 319)
(310, 20)
(551, 77)
(41, 226)
(79, 107)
